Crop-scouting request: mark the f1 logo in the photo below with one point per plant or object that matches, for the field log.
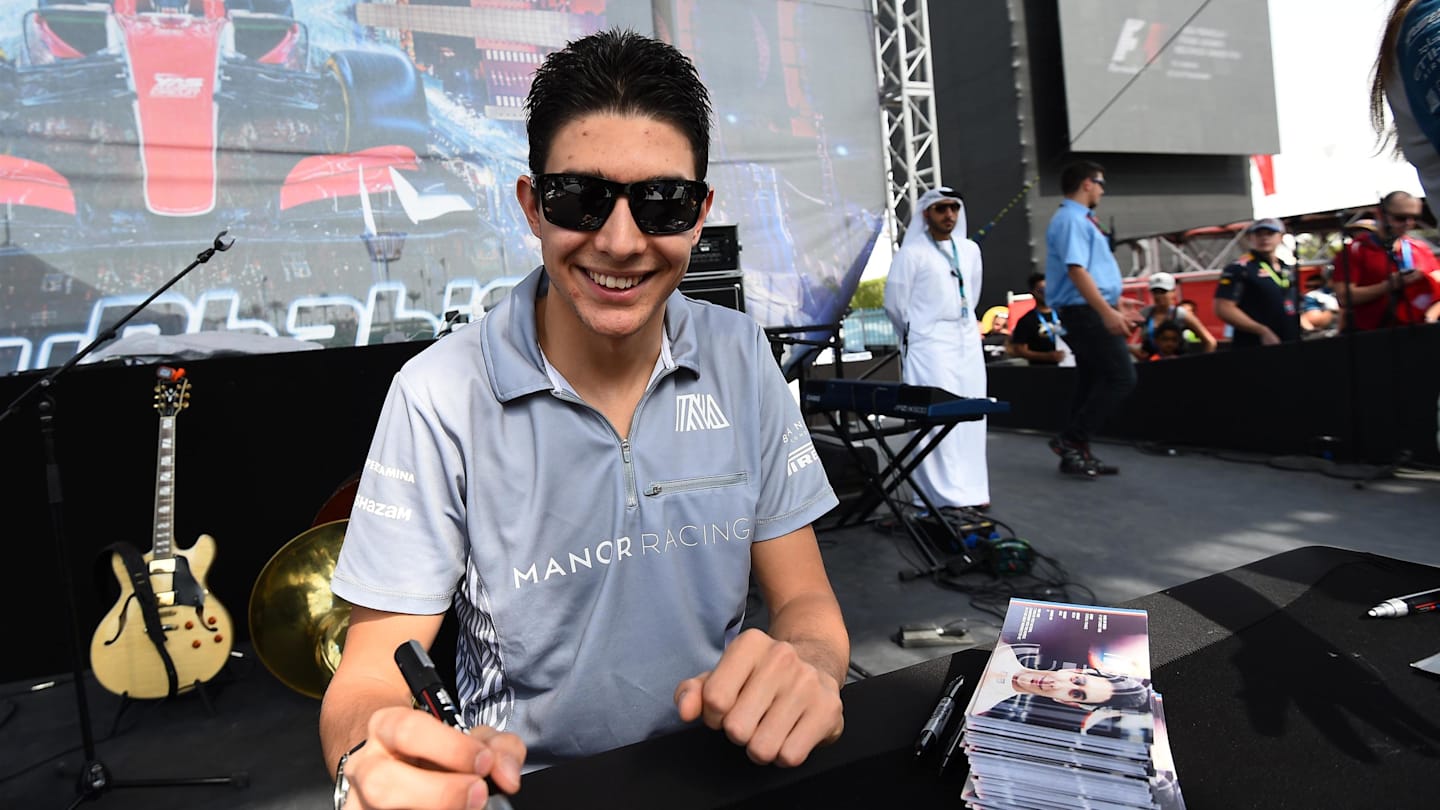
(1135, 34)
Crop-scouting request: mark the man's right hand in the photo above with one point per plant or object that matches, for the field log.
(1268, 337)
(1057, 356)
(1116, 323)
(411, 759)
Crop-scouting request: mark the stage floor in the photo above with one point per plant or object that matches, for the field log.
(1163, 521)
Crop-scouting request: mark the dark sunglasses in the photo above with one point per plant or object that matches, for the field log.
(579, 202)
(945, 207)
(1403, 217)
(1099, 181)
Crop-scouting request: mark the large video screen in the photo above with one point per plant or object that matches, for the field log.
(363, 155)
(1211, 91)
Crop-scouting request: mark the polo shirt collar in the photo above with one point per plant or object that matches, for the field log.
(511, 342)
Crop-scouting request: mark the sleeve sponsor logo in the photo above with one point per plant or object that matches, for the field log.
(389, 472)
(800, 458)
(385, 510)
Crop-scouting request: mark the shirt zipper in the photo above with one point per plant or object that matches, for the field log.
(632, 498)
(692, 484)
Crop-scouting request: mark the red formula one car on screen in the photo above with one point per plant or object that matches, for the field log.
(119, 116)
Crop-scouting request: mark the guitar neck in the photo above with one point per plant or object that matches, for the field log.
(162, 544)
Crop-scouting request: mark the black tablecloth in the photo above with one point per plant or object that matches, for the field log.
(1278, 692)
(1311, 706)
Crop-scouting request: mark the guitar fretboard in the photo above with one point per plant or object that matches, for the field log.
(165, 491)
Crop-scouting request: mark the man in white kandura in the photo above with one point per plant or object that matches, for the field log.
(930, 296)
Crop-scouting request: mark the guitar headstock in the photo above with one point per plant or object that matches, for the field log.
(172, 391)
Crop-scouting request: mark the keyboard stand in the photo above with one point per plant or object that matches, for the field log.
(897, 471)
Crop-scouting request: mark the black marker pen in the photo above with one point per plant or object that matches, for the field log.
(935, 726)
(431, 694)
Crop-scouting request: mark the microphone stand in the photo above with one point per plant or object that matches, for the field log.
(95, 776)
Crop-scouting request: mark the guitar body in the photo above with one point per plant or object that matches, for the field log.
(123, 656)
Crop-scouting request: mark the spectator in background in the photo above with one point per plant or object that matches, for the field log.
(1165, 309)
(1084, 283)
(995, 332)
(1319, 309)
(1385, 277)
(1038, 336)
(1256, 292)
(1168, 338)
(930, 295)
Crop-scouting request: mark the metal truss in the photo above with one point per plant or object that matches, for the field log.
(907, 105)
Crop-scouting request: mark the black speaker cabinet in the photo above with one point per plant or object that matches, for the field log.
(718, 249)
(725, 288)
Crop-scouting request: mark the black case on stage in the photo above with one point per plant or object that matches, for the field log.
(714, 273)
(717, 250)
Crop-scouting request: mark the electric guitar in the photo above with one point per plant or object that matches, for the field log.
(192, 626)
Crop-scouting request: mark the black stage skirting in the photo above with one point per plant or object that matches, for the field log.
(268, 439)
(1278, 693)
(1274, 399)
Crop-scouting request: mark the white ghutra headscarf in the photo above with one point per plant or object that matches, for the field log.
(929, 198)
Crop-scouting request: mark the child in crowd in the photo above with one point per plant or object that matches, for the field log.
(1168, 340)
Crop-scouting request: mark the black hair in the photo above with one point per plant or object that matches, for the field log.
(1392, 197)
(1033, 279)
(1170, 326)
(1074, 175)
(617, 72)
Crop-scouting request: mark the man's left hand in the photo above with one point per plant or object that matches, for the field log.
(766, 697)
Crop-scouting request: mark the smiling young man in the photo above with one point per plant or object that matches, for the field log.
(590, 475)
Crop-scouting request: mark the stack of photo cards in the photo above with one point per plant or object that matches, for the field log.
(1065, 716)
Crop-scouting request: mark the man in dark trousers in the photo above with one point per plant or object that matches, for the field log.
(1256, 293)
(1083, 283)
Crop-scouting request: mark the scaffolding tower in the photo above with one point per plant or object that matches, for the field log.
(907, 106)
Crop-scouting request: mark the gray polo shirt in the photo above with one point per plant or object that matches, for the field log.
(590, 575)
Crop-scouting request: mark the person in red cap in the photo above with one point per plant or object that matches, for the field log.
(1256, 293)
(1387, 277)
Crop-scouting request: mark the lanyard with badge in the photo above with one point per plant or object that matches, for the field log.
(1281, 280)
(954, 258)
(1050, 327)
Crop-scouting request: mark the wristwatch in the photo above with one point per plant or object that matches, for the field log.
(342, 784)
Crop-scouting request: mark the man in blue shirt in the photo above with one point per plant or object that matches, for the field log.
(1083, 284)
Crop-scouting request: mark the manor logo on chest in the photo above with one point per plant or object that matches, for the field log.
(613, 552)
(698, 412)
